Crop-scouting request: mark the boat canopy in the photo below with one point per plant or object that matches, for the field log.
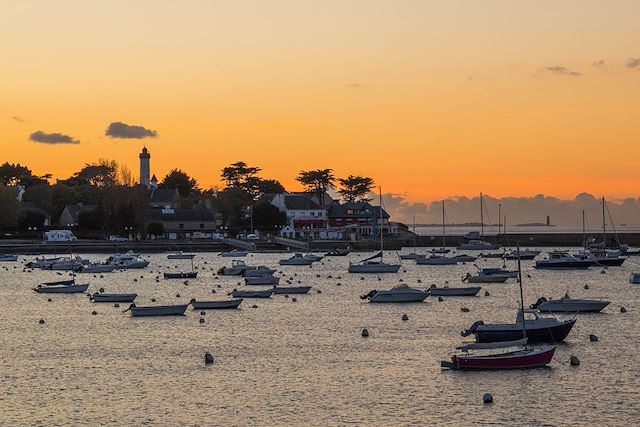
(493, 345)
(378, 255)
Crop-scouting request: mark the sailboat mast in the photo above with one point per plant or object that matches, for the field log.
(499, 217)
(414, 233)
(481, 218)
(381, 233)
(444, 239)
(524, 327)
(584, 235)
(604, 227)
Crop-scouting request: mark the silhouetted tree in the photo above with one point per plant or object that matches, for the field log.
(317, 181)
(9, 208)
(16, 174)
(267, 217)
(353, 188)
(180, 180)
(237, 175)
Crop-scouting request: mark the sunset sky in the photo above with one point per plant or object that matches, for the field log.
(430, 98)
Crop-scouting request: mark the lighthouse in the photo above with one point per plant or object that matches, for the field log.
(145, 168)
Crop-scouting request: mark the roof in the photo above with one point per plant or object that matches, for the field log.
(181, 215)
(74, 210)
(299, 203)
(357, 209)
(164, 195)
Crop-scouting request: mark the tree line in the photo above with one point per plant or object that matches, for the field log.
(120, 205)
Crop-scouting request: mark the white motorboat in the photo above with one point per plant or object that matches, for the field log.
(234, 253)
(158, 310)
(96, 268)
(61, 289)
(258, 271)
(215, 305)
(67, 263)
(634, 279)
(236, 269)
(436, 260)
(478, 245)
(284, 290)
(563, 260)
(8, 257)
(261, 280)
(399, 293)
(446, 291)
(297, 259)
(129, 260)
(101, 297)
(42, 263)
(568, 305)
(180, 255)
(252, 294)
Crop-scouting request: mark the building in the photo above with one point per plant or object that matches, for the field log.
(186, 223)
(70, 214)
(361, 218)
(145, 167)
(164, 198)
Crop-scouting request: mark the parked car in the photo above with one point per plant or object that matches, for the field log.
(118, 239)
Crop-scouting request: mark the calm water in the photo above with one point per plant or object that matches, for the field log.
(305, 363)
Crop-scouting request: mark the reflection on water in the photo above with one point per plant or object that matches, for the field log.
(304, 362)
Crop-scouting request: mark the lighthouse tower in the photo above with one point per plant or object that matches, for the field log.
(145, 168)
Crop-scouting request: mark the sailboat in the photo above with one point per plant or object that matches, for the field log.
(600, 254)
(479, 244)
(375, 263)
(63, 286)
(439, 259)
(182, 275)
(443, 249)
(522, 358)
(412, 255)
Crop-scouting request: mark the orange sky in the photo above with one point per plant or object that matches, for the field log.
(430, 98)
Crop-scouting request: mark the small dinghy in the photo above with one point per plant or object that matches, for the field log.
(470, 291)
(61, 289)
(216, 305)
(264, 280)
(436, 260)
(187, 275)
(98, 297)
(236, 269)
(568, 305)
(480, 278)
(158, 310)
(464, 258)
(60, 283)
(513, 274)
(252, 294)
(283, 290)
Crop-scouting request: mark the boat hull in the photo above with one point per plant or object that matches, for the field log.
(583, 306)
(114, 297)
(291, 290)
(216, 305)
(533, 358)
(374, 268)
(264, 280)
(386, 297)
(181, 275)
(161, 310)
(454, 292)
(68, 289)
(494, 278)
(436, 261)
(252, 294)
(495, 333)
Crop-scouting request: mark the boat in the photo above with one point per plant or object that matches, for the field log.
(236, 269)
(414, 254)
(262, 280)
(338, 252)
(634, 279)
(399, 293)
(464, 258)
(158, 310)
(410, 255)
(101, 297)
(609, 258)
(297, 259)
(491, 256)
(8, 257)
(491, 278)
(126, 261)
(563, 260)
(436, 260)
(513, 274)
(282, 290)
(569, 305)
(313, 257)
(96, 268)
(61, 289)
(234, 253)
(470, 291)
(181, 275)
(477, 245)
(68, 263)
(60, 283)
(526, 254)
(252, 294)
(519, 359)
(42, 263)
(180, 255)
(215, 305)
(259, 271)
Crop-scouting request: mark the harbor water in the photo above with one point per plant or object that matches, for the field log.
(305, 362)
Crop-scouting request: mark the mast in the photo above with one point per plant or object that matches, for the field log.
(499, 217)
(414, 234)
(381, 233)
(444, 239)
(481, 218)
(584, 235)
(604, 227)
(524, 327)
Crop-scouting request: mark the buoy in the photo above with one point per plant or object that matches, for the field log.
(365, 332)
(623, 310)
(487, 398)
(593, 338)
(142, 277)
(464, 310)
(419, 281)
(286, 296)
(135, 280)
(440, 299)
(319, 291)
(603, 271)
(361, 278)
(41, 321)
(213, 291)
(201, 320)
(486, 293)
(177, 295)
(586, 286)
(101, 290)
(294, 299)
(49, 300)
(153, 300)
(338, 284)
(254, 306)
(405, 317)
(116, 305)
(94, 312)
(400, 279)
(574, 360)
(208, 358)
(219, 286)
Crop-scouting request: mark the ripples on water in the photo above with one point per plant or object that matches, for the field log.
(304, 363)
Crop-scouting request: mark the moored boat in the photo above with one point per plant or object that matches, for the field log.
(157, 310)
(569, 305)
(96, 268)
(470, 291)
(261, 280)
(181, 275)
(8, 257)
(252, 294)
(399, 293)
(297, 259)
(562, 260)
(236, 269)
(338, 252)
(61, 289)
(216, 305)
(518, 359)
(487, 278)
(234, 253)
(526, 254)
(281, 290)
(180, 255)
(258, 271)
(435, 260)
(102, 297)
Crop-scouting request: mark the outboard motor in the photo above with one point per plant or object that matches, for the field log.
(472, 328)
(537, 303)
(369, 295)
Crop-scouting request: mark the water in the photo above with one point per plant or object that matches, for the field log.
(490, 230)
(305, 363)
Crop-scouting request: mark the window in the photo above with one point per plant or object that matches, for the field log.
(201, 226)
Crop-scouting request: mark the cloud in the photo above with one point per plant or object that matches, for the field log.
(563, 71)
(599, 64)
(52, 138)
(125, 131)
(633, 62)
(19, 119)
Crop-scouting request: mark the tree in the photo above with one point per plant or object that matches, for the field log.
(124, 176)
(15, 174)
(267, 217)
(231, 203)
(180, 180)
(155, 229)
(124, 207)
(256, 186)
(98, 175)
(31, 218)
(91, 219)
(355, 187)
(317, 181)
(237, 175)
(9, 214)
